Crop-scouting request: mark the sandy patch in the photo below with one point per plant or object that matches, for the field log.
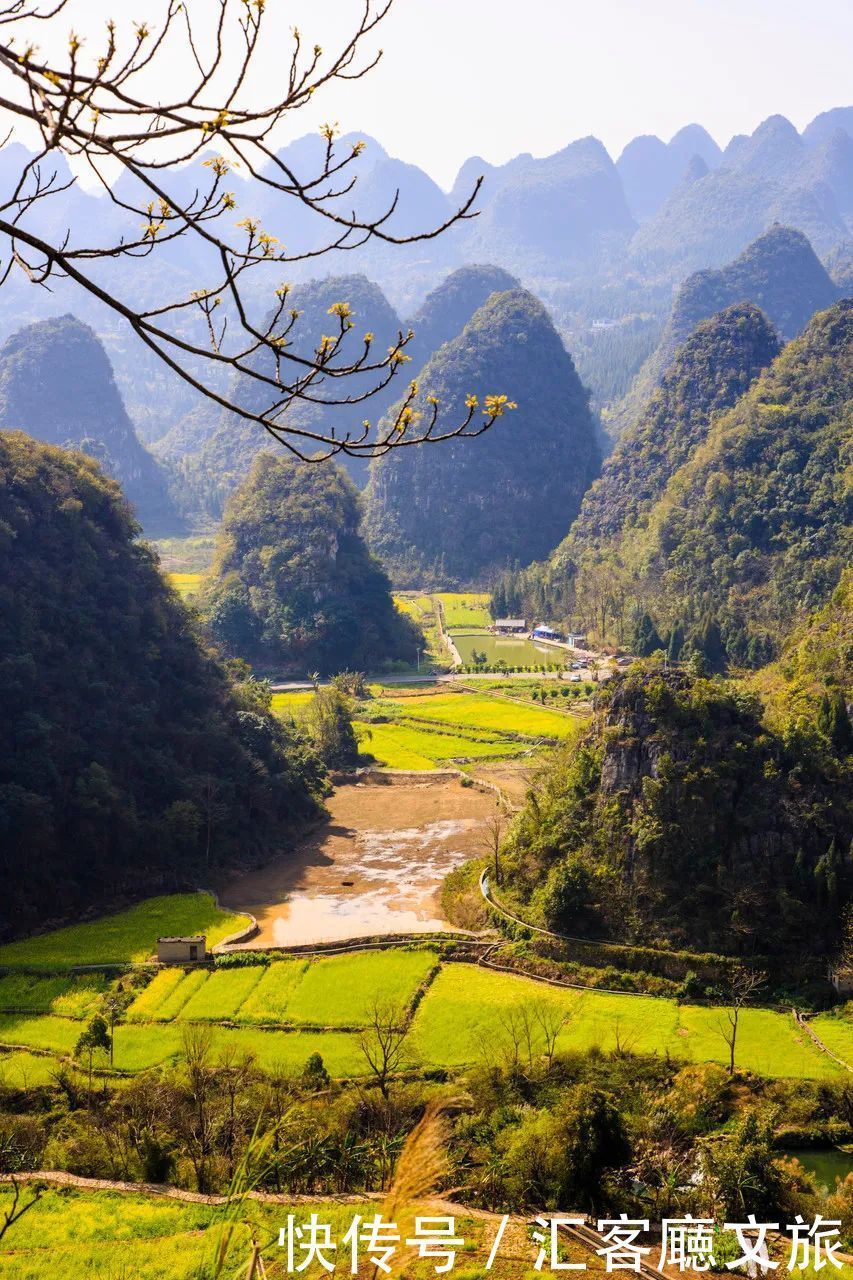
(375, 866)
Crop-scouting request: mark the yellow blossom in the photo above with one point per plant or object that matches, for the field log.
(497, 406)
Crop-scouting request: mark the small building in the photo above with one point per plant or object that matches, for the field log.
(842, 979)
(182, 950)
(510, 626)
(575, 640)
(546, 633)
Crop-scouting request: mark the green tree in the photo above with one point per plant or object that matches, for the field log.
(331, 728)
(95, 1039)
(293, 585)
(561, 1157)
(645, 640)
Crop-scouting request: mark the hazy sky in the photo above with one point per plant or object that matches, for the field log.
(496, 77)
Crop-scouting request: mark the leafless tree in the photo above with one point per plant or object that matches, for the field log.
(531, 1031)
(623, 1044)
(494, 829)
(383, 1041)
(95, 105)
(550, 1019)
(741, 985)
(12, 1213)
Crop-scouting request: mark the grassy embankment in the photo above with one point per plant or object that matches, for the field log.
(287, 1009)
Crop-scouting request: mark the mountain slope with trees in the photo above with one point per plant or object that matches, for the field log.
(779, 272)
(716, 365)
(56, 383)
(771, 176)
(293, 585)
(754, 530)
(681, 820)
(447, 309)
(463, 510)
(130, 760)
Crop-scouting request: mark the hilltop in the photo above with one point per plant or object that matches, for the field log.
(712, 370)
(56, 383)
(469, 507)
(757, 525)
(679, 819)
(779, 272)
(293, 585)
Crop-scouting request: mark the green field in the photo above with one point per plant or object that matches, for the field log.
(66, 996)
(836, 1032)
(128, 937)
(405, 746)
(465, 610)
(291, 703)
(26, 1070)
(109, 1235)
(187, 585)
(460, 1020)
(327, 992)
(476, 711)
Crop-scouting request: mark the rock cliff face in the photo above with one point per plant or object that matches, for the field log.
(56, 383)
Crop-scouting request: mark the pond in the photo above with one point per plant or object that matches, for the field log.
(826, 1163)
(515, 651)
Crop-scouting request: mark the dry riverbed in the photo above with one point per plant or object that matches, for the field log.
(374, 867)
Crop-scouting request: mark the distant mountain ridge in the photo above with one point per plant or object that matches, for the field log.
(779, 272)
(596, 237)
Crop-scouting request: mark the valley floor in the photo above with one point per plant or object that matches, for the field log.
(375, 866)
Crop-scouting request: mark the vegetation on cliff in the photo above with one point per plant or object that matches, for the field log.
(682, 819)
(130, 759)
(470, 507)
(293, 586)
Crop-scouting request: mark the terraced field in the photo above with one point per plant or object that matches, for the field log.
(410, 746)
(338, 991)
(187, 585)
(483, 711)
(465, 609)
(427, 726)
(284, 1010)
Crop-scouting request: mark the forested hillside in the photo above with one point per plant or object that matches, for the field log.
(772, 176)
(447, 309)
(293, 585)
(56, 383)
(755, 528)
(681, 819)
(130, 760)
(779, 272)
(716, 365)
(469, 507)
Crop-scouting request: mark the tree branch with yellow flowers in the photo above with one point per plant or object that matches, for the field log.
(94, 105)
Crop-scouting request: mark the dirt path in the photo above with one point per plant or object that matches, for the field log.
(374, 867)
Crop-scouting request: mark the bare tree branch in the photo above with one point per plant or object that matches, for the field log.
(94, 107)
